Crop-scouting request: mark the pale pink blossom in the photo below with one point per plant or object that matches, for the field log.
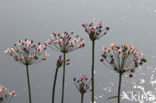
(22, 58)
(100, 23)
(12, 93)
(46, 43)
(113, 45)
(7, 51)
(64, 42)
(106, 49)
(92, 28)
(6, 95)
(85, 25)
(28, 43)
(82, 76)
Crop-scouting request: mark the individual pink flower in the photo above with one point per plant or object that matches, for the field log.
(82, 76)
(12, 93)
(64, 42)
(85, 25)
(95, 32)
(6, 95)
(100, 23)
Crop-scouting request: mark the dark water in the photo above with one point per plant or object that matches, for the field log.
(131, 21)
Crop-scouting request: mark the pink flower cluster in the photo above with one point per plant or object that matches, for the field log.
(27, 53)
(124, 58)
(95, 32)
(6, 95)
(64, 42)
(83, 84)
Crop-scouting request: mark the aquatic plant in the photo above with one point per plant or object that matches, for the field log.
(94, 32)
(83, 85)
(6, 95)
(122, 59)
(58, 65)
(27, 53)
(64, 43)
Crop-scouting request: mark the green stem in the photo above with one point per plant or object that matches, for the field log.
(63, 78)
(28, 80)
(93, 49)
(119, 87)
(54, 84)
(82, 95)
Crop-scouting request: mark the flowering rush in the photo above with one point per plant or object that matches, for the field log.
(64, 42)
(95, 32)
(27, 53)
(124, 58)
(59, 63)
(6, 95)
(83, 84)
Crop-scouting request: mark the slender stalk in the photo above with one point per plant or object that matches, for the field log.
(54, 84)
(93, 49)
(63, 78)
(28, 80)
(119, 87)
(82, 95)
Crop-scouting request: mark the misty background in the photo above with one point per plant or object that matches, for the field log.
(130, 21)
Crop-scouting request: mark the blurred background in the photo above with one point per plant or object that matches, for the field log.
(130, 21)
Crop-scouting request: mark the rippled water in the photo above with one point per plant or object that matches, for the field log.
(131, 21)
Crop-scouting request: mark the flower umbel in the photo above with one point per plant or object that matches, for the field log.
(83, 84)
(124, 58)
(64, 43)
(27, 53)
(95, 32)
(6, 95)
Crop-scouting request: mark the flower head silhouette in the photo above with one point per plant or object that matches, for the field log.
(95, 32)
(28, 53)
(122, 59)
(6, 95)
(83, 84)
(65, 43)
